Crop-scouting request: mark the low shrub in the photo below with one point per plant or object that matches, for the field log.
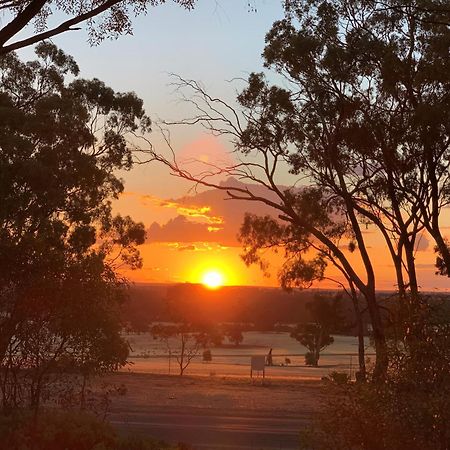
(339, 378)
(57, 430)
(207, 356)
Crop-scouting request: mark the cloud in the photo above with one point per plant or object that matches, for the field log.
(206, 217)
(183, 208)
(179, 229)
(184, 248)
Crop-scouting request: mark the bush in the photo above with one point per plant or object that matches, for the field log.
(207, 356)
(58, 430)
(409, 410)
(339, 378)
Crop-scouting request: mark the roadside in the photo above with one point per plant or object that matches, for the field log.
(215, 413)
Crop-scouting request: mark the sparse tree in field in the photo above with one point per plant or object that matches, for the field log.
(315, 338)
(233, 332)
(210, 334)
(315, 335)
(62, 139)
(104, 18)
(181, 341)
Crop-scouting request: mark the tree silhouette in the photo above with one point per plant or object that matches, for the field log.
(315, 335)
(362, 122)
(61, 141)
(104, 18)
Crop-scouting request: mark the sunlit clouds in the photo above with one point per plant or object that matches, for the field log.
(193, 211)
(189, 235)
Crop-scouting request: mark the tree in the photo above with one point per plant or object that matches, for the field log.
(234, 333)
(316, 215)
(410, 410)
(258, 234)
(315, 335)
(61, 141)
(362, 122)
(314, 338)
(105, 18)
(188, 342)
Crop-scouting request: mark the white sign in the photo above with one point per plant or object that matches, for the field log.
(258, 362)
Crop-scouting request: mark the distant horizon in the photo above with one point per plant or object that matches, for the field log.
(246, 286)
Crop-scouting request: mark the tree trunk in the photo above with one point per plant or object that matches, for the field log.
(361, 348)
(443, 248)
(382, 359)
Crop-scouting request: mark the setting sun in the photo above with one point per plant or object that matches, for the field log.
(212, 279)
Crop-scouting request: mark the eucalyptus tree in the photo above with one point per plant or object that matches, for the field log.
(362, 120)
(62, 139)
(104, 18)
(181, 340)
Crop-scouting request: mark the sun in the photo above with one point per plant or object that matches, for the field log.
(212, 279)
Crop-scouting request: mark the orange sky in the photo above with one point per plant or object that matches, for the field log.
(192, 232)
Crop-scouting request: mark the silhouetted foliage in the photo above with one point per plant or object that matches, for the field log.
(61, 140)
(233, 332)
(410, 410)
(69, 431)
(103, 18)
(362, 121)
(207, 355)
(325, 318)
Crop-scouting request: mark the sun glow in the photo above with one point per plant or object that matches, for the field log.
(212, 279)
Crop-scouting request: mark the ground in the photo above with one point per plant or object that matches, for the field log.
(215, 412)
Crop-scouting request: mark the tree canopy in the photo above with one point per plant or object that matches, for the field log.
(62, 140)
(104, 18)
(361, 120)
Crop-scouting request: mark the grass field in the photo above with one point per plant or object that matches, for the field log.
(152, 356)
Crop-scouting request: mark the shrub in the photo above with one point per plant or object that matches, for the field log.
(408, 410)
(339, 378)
(69, 431)
(207, 356)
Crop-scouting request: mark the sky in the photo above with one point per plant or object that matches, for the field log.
(190, 233)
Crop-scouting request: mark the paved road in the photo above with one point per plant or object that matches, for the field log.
(214, 430)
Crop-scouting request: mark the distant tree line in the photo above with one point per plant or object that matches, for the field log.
(260, 308)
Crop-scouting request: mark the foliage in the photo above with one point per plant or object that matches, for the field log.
(107, 18)
(339, 378)
(71, 431)
(209, 334)
(361, 121)
(314, 338)
(326, 318)
(234, 333)
(409, 410)
(207, 355)
(61, 140)
(181, 340)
